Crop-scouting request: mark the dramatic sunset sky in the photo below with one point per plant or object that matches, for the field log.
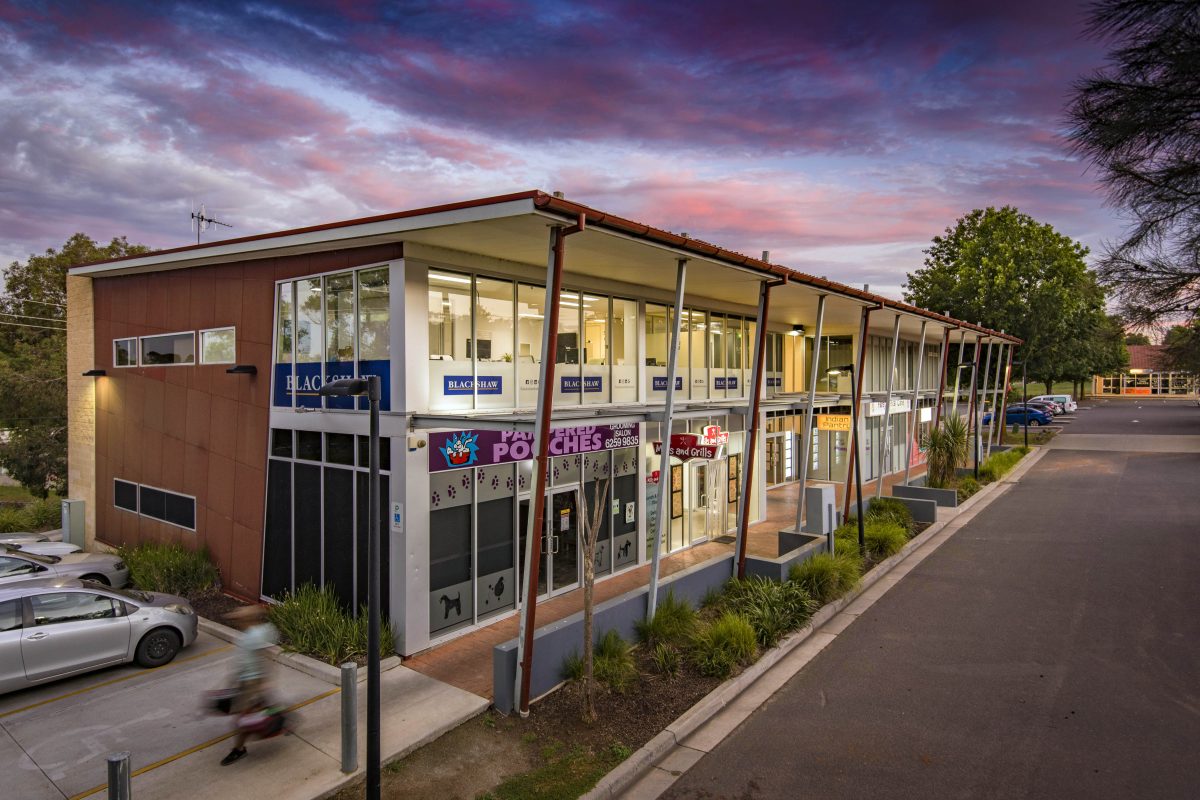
(841, 136)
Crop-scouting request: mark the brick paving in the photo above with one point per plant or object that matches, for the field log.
(466, 661)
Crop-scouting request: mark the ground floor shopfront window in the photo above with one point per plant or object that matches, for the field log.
(480, 505)
(318, 514)
(702, 492)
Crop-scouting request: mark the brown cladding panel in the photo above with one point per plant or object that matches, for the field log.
(196, 429)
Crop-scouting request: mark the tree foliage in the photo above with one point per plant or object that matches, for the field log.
(1138, 120)
(33, 361)
(1137, 339)
(1003, 269)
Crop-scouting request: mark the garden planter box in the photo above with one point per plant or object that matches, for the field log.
(946, 498)
(796, 548)
(921, 510)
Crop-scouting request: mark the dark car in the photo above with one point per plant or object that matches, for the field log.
(1017, 414)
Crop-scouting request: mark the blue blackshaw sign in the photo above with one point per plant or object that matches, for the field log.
(305, 384)
(725, 383)
(465, 384)
(659, 383)
(591, 383)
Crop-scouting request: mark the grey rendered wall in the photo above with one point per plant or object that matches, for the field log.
(947, 498)
(922, 510)
(554, 642)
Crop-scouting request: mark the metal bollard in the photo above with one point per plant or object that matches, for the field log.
(118, 776)
(349, 717)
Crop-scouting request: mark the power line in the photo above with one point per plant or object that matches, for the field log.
(24, 325)
(27, 316)
(31, 300)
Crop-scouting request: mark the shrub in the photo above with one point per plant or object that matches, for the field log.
(572, 668)
(891, 509)
(170, 568)
(673, 622)
(998, 464)
(665, 658)
(723, 644)
(827, 577)
(613, 662)
(39, 515)
(773, 609)
(945, 448)
(884, 539)
(313, 621)
(967, 486)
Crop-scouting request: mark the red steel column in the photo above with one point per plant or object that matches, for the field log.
(545, 410)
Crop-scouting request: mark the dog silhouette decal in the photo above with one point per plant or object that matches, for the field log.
(448, 604)
(623, 550)
(499, 587)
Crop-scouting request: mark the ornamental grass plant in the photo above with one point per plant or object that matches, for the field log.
(170, 568)
(724, 644)
(827, 577)
(314, 622)
(674, 622)
(773, 609)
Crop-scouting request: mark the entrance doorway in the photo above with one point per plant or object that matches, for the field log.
(707, 517)
(558, 570)
(779, 458)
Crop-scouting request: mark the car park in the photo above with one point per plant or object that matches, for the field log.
(19, 565)
(57, 627)
(1067, 402)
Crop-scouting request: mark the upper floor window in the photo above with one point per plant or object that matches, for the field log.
(218, 346)
(125, 352)
(169, 349)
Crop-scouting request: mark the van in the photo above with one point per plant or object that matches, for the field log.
(1065, 400)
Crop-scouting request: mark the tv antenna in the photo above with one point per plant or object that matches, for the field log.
(201, 221)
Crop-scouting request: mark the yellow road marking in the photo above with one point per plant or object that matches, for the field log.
(197, 748)
(102, 684)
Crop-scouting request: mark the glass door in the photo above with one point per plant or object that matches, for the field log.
(715, 514)
(561, 545)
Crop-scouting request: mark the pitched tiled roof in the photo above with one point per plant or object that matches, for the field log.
(1145, 356)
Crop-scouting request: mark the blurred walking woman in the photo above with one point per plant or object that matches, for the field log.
(251, 665)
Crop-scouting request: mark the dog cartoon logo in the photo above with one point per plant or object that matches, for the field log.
(449, 604)
(461, 449)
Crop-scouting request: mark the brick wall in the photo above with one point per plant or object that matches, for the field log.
(81, 400)
(195, 429)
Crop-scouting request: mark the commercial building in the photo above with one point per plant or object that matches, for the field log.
(206, 426)
(1146, 374)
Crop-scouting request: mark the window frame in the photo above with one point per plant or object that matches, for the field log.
(137, 495)
(142, 339)
(200, 359)
(166, 492)
(137, 352)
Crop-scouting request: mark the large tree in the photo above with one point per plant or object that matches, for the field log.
(1138, 120)
(33, 361)
(1005, 270)
(1137, 338)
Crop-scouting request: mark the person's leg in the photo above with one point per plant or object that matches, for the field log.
(248, 699)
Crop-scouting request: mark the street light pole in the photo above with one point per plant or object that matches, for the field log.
(350, 387)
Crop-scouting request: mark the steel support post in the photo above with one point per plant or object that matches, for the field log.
(914, 412)
(664, 461)
(987, 451)
(855, 400)
(806, 436)
(349, 717)
(760, 352)
(962, 345)
(983, 392)
(944, 364)
(1004, 397)
(885, 461)
(541, 435)
(972, 416)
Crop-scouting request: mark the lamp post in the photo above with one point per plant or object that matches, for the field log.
(354, 387)
(862, 543)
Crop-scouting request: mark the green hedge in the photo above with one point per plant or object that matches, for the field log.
(170, 568)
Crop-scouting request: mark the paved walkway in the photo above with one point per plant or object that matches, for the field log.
(1051, 649)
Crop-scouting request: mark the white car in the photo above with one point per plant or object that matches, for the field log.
(49, 548)
(1065, 400)
(18, 565)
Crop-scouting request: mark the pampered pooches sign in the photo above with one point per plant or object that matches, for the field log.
(456, 449)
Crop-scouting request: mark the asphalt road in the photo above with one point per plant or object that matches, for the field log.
(1051, 649)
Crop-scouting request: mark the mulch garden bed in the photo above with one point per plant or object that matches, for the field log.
(215, 606)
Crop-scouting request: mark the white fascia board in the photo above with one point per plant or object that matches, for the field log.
(263, 248)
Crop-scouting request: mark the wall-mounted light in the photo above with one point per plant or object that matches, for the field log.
(243, 369)
(94, 373)
(796, 330)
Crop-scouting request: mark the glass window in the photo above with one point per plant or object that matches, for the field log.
(716, 340)
(339, 448)
(10, 615)
(595, 388)
(385, 452)
(451, 373)
(281, 443)
(373, 315)
(125, 495)
(125, 353)
(568, 356)
(308, 445)
(657, 335)
(493, 344)
(339, 333)
(176, 509)
(451, 594)
(169, 349)
(624, 351)
(310, 341)
(56, 607)
(529, 342)
(218, 346)
(694, 346)
(283, 325)
(16, 566)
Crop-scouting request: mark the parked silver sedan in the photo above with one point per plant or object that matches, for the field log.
(19, 565)
(53, 628)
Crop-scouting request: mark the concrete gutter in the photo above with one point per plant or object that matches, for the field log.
(309, 666)
(617, 782)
